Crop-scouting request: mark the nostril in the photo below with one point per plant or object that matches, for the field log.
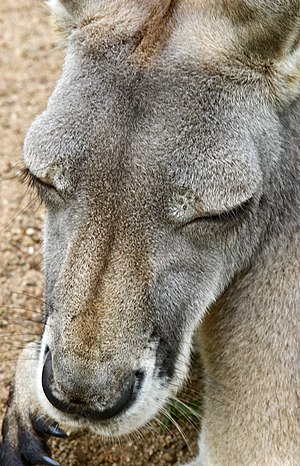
(75, 401)
(139, 376)
(75, 406)
(131, 389)
(47, 384)
(47, 376)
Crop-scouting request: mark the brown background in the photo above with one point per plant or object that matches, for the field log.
(30, 63)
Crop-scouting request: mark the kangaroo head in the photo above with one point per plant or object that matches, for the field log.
(159, 158)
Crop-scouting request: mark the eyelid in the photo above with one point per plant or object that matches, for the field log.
(28, 177)
(35, 182)
(226, 214)
(232, 210)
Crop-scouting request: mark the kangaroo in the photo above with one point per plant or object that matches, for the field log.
(168, 160)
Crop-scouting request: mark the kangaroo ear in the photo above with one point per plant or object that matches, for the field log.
(268, 38)
(272, 27)
(66, 14)
(71, 15)
(61, 7)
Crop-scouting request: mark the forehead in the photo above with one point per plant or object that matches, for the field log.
(179, 125)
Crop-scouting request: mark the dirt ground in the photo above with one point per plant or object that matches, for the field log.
(30, 63)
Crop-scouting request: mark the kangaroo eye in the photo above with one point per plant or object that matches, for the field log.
(47, 192)
(232, 213)
(229, 215)
(32, 180)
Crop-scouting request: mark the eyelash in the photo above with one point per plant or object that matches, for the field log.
(233, 213)
(33, 182)
(228, 216)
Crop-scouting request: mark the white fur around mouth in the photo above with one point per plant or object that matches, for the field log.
(153, 395)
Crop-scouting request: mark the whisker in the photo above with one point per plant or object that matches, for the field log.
(8, 178)
(185, 407)
(20, 213)
(37, 298)
(239, 406)
(168, 415)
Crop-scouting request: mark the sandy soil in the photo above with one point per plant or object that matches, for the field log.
(30, 63)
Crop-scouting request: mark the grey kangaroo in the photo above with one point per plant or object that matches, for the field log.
(168, 160)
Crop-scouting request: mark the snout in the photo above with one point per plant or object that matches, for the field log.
(82, 403)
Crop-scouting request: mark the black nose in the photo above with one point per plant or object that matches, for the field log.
(82, 408)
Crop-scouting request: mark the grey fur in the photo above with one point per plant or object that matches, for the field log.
(143, 154)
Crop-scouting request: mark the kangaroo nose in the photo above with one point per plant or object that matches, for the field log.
(81, 408)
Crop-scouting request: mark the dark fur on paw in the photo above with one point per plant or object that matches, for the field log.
(29, 446)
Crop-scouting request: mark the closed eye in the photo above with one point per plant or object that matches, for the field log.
(32, 180)
(230, 215)
(46, 191)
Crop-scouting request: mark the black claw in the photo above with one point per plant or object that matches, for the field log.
(49, 461)
(51, 429)
(55, 431)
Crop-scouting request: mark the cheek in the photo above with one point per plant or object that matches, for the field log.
(188, 288)
(55, 248)
(53, 260)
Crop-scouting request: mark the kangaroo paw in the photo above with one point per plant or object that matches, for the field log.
(25, 443)
(25, 430)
